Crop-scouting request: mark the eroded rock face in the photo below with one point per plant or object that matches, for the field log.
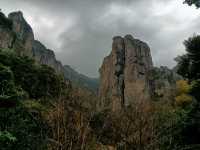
(23, 31)
(45, 56)
(124, 74)
(164, 83)
(19, 36)
(6, 38)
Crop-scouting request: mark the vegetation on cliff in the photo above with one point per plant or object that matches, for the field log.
(40, 110)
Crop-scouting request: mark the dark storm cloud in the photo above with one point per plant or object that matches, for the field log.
(81, 31)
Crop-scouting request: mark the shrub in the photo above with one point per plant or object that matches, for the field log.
(182, 86)
(9, 92)
(183, 100)
(21, 129)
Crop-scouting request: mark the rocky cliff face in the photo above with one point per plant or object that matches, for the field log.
(45, 56)
(164, 83)
(19, 36)
(23, 31)
(124, 74)
(127, 76)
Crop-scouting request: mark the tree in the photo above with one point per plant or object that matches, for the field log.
(183, 98)
(193, 2)
(4, 22)
(39, 81)
(188, 64)
(9, 92)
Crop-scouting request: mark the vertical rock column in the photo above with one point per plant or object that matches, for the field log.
(112, 77)
(138, 64)
(124, 74)
(119, 50)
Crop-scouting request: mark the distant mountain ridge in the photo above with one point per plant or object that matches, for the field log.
(81, 80)
(17, 34)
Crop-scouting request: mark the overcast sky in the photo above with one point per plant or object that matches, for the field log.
(80, 31)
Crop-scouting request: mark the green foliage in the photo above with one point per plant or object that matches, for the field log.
(34, 105)
(4, 22)
(38, 81)
(6, 81)
(21, 129)
(170, 125)
(183, 66)
(188, 66)
(49, 83)
(195, 89)
(103, 125)
(7, 136)
(22, 123)
(193, 2)
(9, 93)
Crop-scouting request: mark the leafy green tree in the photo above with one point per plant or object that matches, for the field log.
(49, 83)
(188, 67)
(193, 2)
(22, 126)
(188, 64)
(4, 22)
(9, 92)
(195, 89)
(21, 129)
(39, 81)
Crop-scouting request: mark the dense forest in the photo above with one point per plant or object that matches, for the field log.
(41, 110)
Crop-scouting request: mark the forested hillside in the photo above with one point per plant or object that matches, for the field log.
(133, 106)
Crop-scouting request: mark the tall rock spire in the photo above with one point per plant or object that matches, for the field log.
(124, 74)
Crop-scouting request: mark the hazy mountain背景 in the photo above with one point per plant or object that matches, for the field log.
(46, 105)
(81, 80)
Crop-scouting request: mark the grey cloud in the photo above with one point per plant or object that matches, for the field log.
(87, 40)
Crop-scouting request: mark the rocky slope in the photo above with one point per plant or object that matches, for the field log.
(46, 56)
(127, 75)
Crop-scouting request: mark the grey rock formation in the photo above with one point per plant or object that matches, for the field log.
(45, 56)
(127, 76)
(19, 36)
(23, 31)
(6, 38)
(164, 83)
(124, 74)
